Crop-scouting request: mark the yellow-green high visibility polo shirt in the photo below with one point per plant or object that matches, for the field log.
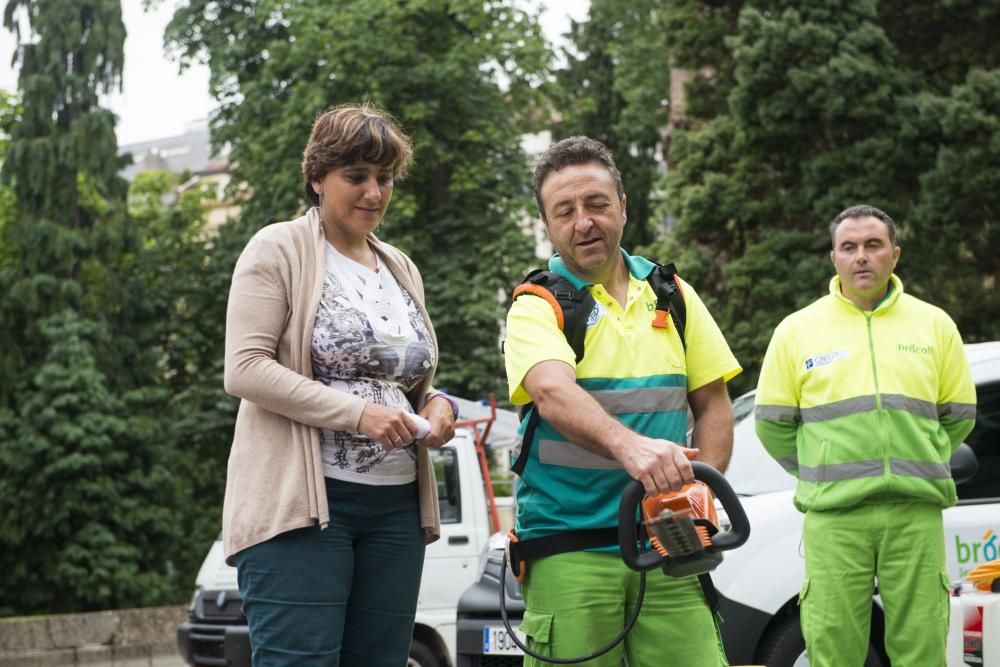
(638, 373)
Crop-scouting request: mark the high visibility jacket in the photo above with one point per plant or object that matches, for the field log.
(866, 405)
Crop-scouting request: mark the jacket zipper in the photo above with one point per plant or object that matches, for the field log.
(883, 432)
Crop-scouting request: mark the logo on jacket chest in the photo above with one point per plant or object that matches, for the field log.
(825, 359)
(915, 349)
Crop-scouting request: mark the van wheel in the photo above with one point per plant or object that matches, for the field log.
(421, 656)
(784, 646)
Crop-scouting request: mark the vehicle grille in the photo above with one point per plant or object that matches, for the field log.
(207, 643)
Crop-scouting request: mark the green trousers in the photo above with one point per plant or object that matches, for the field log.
(899, 545)
(578, 602)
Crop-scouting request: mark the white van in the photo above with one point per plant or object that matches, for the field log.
(216, 631)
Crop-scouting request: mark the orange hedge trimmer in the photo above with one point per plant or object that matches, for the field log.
(681, 526)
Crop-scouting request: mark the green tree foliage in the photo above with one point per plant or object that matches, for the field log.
(954, 229)
(615, 89)
(114, 426)
(437, 65)
(85, 498)
(84, 523)
(9, 111)
(186, 270)
(812, 107)
(791, 128)
(939, 41)
(696, 32)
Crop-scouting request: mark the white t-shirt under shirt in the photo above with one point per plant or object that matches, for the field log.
(369, 340)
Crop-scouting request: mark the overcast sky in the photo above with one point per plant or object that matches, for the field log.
(159, 101)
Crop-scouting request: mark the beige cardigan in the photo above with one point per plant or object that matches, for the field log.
(275, 478)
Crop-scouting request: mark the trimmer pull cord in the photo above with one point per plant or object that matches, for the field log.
(567, 661)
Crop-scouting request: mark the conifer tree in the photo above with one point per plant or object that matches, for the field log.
(953, 230)
(809, 127)
(85, 500)
(8, 115)
(800, 109)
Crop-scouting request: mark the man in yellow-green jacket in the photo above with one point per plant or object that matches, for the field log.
(863, 396)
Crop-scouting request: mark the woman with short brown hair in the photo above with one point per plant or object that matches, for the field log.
(330, 496)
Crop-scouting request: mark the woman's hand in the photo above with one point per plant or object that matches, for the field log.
(438, 412)
(390, 427)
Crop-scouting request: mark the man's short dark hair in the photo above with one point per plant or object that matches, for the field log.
(570, 152)
(863, 211)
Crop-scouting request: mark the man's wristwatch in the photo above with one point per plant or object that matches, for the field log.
(451, 401)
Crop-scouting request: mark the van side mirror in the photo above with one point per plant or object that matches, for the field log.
(964, 464)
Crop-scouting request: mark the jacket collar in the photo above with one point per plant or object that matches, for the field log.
(895, 291)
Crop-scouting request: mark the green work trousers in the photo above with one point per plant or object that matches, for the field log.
(578, 602)
(901, 545)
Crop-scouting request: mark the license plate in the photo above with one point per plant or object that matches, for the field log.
(496, 641)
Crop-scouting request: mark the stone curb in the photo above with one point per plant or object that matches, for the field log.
(118, 638)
